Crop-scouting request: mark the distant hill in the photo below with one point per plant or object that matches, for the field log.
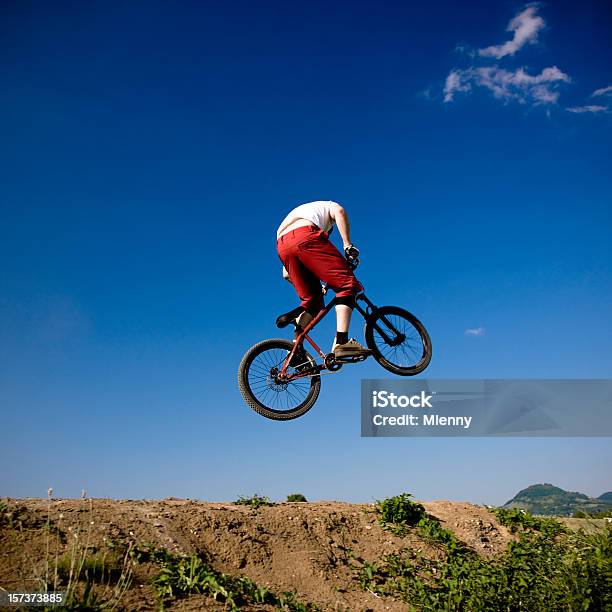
(551, 500)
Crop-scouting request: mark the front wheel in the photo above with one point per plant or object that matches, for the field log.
(265, 393)
(398, 341)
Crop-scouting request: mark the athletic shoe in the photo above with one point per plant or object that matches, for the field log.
(352, 348)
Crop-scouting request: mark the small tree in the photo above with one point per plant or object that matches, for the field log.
(296, 497)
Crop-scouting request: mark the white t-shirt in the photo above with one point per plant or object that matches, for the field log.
(316, 212)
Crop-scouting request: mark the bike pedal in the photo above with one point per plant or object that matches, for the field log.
(351, 359)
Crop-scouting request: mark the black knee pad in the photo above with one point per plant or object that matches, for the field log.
(346, 300)
(313, 311)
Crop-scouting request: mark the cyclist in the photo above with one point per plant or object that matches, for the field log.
(309, 257)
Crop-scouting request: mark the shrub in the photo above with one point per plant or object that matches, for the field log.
(517, 519)
(548, 568)
(180, 576)
(255, 501)
(399, 510)
(296, 497)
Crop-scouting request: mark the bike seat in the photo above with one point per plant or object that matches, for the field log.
(284, 319)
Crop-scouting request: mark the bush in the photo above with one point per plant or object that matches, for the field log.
(399, 510)
(179, 576)
(548, 568)
(517, 519)
(296, 497)
(255, 501)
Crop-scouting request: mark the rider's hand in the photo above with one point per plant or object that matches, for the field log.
(351, 252)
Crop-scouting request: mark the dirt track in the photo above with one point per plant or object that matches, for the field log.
(309, 548)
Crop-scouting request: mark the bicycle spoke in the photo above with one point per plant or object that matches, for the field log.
(409, 351)
(280, 396)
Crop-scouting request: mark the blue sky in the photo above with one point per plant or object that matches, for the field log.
(149, 151)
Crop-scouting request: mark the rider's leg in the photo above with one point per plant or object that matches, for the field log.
(299, 358)
(314, 258)
(303, 320)
(308, 288)
(343, 321)
(305, 283)
(321, 257)
(343, 347)
(343, 318)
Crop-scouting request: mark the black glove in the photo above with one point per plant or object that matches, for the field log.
(351, 252)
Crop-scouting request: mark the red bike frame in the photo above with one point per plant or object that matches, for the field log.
(366, 312)
(304, 336)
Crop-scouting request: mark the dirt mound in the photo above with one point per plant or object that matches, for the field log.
(473, 525)
(312, 549)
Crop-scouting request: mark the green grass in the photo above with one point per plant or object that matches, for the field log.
(592, 515)
(518, 520)
(97, 567)
(179, 576)
(547, 568)
(255, 501)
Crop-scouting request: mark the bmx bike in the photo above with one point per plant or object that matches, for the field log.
(276, 387)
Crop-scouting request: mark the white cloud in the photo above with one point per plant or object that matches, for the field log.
(525, 26)
(475, 331)
(589, 108)
(604, 91)
(464, 49)
(456, 81)
(508, 85)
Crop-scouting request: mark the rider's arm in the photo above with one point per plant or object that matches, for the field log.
(286, 275)
(339, 215)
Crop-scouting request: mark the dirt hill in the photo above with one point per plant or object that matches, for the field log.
(314, 550)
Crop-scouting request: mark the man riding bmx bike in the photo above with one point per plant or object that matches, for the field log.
(309, 257)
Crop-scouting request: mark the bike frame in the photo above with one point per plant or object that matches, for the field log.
(368, 312)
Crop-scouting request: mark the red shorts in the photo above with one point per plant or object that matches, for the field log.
(309, 257)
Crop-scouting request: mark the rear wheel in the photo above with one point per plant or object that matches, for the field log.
(398, 341)
(270, 396)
